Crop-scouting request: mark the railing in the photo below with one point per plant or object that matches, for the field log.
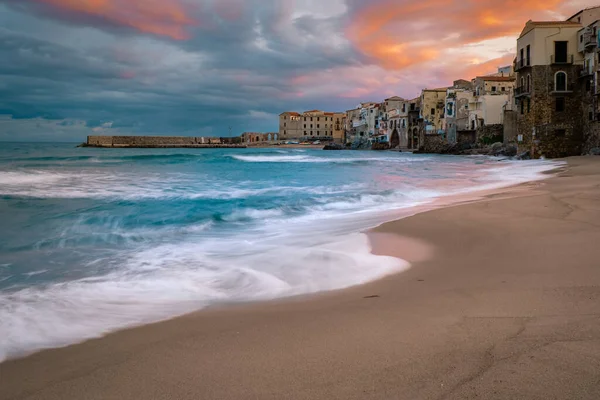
(589, 40)
(585, 72)
(569, 59)
(522, 91)
(523, 63)
(567, 89)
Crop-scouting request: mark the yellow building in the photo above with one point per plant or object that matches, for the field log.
(432, 109)
(311, 125)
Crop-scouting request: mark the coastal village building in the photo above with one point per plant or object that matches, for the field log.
(433, 103)
(311, 125)
(549, 105)
(414, 123)
(456, 113)
(396, 121)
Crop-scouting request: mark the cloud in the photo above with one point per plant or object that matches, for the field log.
(194, 67)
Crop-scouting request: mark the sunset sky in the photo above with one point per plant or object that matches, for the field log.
(70, 68)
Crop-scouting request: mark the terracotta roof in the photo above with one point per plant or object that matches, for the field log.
(395, 98)
(497, 78)
(313, 111)
(290, 113)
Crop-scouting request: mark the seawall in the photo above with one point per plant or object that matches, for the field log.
(157, 142)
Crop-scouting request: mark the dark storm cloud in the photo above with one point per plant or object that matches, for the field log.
(235, 69)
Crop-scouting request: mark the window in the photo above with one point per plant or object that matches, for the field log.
(304, 133)
(318, 119)
(588, 85)
(581, 39)
(503, 89)
(311, 133)
(371, 111)
(311, 126)
(528, 55)
(285, 132)
(521, 61)
(404, 107)
(560, 82)
(466, 106)
(560, 132)
(305, 118)
(560, 104)
(318, 126)
(304, 126)
(528, 105)
(528, 84)
(591, 116)
(311, 118)
(494, 88)
(522, 107)
(560, 52)
(432, 112)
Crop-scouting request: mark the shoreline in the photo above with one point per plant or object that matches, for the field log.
(341, 319)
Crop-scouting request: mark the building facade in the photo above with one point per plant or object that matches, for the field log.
(548, 98)
(311, 125)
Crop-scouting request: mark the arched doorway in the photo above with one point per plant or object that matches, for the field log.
(269, 137)
(275, 136)
(395, 139)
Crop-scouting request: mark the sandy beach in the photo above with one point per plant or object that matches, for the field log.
(502, 302)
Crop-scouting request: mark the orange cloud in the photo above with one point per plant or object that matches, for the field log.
(168, 18)
(399, 33)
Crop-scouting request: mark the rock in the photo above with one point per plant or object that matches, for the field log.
(510, 150)
(380, 146)
(524, 156)
(333, 146)
(497, 146)
(595, 151)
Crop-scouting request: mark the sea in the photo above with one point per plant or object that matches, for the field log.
(96, 240)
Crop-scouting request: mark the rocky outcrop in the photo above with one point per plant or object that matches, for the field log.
(595, 151)
(380, 146)
(333, 146)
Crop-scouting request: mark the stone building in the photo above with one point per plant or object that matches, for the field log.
(548, 97)
(414, 123)
(589, 46)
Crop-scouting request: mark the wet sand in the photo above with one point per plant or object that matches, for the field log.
(502, 302)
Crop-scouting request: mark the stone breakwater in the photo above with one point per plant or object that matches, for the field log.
(157, 142)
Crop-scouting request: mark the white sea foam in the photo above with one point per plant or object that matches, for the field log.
(313, 159)
(170, 280)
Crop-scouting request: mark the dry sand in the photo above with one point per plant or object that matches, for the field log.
(502, 302)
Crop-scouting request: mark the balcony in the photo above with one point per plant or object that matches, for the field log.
(585, 72)
(567, 59)
(522, 91)
(523, 63)
(566, 90)
(589, 41)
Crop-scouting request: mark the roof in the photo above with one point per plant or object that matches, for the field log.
(313, 111)
(290, 113)
(580, 11)
(531, 25)
(497, 78)
(443, 89)
(395, 98)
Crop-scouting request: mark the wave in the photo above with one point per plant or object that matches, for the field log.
(172, 280)
(313, 159)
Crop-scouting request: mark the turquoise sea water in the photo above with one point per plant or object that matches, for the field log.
(93, 240)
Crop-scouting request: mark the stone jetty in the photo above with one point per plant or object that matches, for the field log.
(159, 142)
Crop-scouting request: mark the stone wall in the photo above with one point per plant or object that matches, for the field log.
(510, 126)
(434, 144)
(490, 134)
(466, 137)
(151, 141)
(545, 131)
(102, 141)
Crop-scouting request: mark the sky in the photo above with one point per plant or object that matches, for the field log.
(71, 68)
